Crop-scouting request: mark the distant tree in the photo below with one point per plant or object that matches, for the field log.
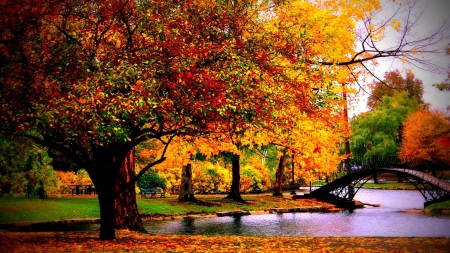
(426, 138)
(151, 180)
(394, 82)
(25, 168)
(378, 132)
(68, 178)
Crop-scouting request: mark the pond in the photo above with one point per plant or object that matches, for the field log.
(388, 220)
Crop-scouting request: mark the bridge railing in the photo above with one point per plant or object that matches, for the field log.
(355, 164)
(374, 162)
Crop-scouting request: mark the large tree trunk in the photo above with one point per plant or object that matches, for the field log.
(236, 180)
(278, 187)
(126, 214)
(105, 178)
(186, 190)
(106, 193)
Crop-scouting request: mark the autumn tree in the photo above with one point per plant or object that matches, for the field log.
(426, 135)
(394, 82)
(378, 132)
(94, 79)
(25, 168)
(311, 145)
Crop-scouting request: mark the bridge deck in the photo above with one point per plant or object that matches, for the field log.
(343, 187)
(427, 177)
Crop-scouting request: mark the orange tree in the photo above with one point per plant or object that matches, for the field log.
(426, 138)
(394, 82)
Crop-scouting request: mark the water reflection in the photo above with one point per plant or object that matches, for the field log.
(387, 220)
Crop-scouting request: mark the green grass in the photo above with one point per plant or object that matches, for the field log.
(441, 205)
(318, 183)
(16, 209)
(390, 185)
(22, 209)
(209, 204)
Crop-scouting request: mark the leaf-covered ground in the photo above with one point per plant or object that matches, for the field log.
(138, 242)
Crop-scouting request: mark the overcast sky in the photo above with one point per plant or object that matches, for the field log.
(435, 12)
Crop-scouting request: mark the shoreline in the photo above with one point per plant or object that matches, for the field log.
(46, 225)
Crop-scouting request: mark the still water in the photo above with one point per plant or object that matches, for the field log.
(387, 220)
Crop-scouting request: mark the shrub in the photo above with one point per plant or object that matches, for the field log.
(151, 180)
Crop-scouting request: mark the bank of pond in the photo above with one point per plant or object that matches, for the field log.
(385, 213)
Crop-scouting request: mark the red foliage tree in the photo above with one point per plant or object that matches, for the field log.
(94, 79)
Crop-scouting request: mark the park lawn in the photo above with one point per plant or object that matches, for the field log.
(211, 204)
(390, 186)
(16, 209)
(439, 206)
(139, 242)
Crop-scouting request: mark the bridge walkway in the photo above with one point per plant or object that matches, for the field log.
(344, 188)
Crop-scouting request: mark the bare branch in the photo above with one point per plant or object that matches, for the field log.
(409, 46)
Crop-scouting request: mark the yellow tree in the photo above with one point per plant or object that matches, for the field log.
(312, 142)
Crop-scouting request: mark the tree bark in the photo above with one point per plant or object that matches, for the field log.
(278, 187)
(105, 178)
(106, 202)
(236, 179)
(186, 190)
(126, 214)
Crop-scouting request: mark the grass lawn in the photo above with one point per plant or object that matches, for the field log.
(390, 185)
(441, 205)
(15, 209)
(22, 209)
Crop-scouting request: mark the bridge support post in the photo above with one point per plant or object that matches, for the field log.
(351, 192)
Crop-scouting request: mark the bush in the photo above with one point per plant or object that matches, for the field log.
(211, 178)
(151, 180)
(25, 168)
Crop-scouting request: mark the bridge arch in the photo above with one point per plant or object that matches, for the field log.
(344, 188)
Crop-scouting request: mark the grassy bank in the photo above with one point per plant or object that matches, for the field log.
(22, 209)
(445, 205)
(389, 185)
(14, 210)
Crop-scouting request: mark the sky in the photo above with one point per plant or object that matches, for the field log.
(435, 13)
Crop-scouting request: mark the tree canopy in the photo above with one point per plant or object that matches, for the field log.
(426, 138)
(394, 82)
(379, 132)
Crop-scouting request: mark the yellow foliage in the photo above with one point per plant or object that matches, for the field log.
(396, 24)
(211, 178)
